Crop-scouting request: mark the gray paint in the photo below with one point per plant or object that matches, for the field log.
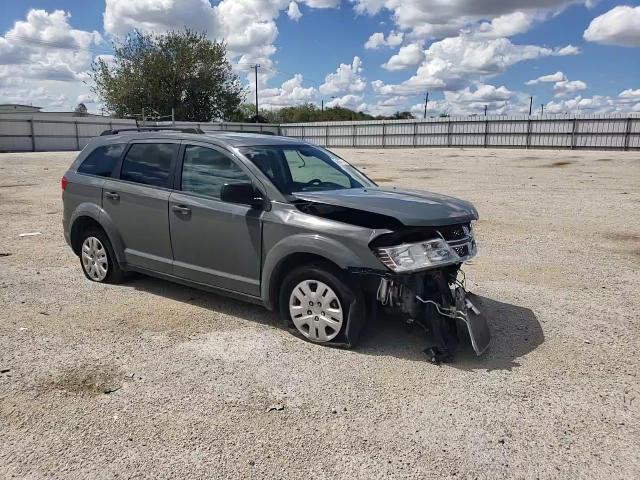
(410, 207)
(229, 247)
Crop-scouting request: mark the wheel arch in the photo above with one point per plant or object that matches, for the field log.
(91, 215)
(300, 250)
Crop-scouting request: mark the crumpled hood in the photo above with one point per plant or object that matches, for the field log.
(410, 207)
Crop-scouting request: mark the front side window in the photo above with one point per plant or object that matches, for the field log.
(102, 160)
(303, 168)
(149, 163)
(205, 171)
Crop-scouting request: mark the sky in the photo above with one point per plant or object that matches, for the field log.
(376, 56)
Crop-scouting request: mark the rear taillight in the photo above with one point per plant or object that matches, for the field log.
(63, 183)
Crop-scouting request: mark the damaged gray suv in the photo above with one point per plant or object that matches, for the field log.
(274, 221)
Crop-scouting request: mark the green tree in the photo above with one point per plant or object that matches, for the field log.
(184, 70)
(80, 110)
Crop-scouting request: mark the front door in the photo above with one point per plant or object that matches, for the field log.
(214, 242)
(138, 202)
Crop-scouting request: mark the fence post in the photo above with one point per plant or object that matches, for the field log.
(384, 140)
(415, 134)
(33, 136)
(77, 135)
(448, 133)
(304, 138)
(486, 132)
(627, 134)
(573, 133)
(354, 136)
(528, 140)
(326, 135)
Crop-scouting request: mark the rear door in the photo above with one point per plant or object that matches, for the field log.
(214, 242)
(137, 201)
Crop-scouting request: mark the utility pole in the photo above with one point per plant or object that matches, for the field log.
(255, 68)
(426, 104)
(542, 106)
(485, 110)
(530, 104)
(322, 107)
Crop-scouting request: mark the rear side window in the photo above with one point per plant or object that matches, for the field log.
(102, 160)
(205, 171)
(149, 163)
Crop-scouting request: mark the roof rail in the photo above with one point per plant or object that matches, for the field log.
(153, 129)
(257, 132)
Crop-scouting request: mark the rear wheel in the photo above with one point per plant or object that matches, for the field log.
(97, 259)
(317, 301)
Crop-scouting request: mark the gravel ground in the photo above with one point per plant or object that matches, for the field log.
(150, 379)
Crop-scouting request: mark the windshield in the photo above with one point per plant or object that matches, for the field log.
(303, 168)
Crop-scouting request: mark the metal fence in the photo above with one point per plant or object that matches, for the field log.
(48, 132)
(587, 132)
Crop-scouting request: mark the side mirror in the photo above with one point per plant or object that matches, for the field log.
(244, 193)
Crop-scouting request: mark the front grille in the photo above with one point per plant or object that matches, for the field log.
(462, 251)
(454, 232)
(460, 238)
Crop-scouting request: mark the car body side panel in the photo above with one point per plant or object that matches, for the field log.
(140, 214)
(82, 190)
(287, 231)
(216, 243)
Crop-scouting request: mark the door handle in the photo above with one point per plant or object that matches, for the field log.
(181, 209)
(112, 195)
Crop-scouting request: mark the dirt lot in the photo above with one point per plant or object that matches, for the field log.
(150, 379)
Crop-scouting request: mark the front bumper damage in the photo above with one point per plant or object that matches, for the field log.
(437, 301)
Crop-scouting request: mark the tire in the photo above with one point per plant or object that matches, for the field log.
(97, 260)
(337, 313)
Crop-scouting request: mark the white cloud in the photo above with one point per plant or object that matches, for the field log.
(377, 40)
(293, 12)
(290, 93)
(562, 85)
(86, 98)
(43, 59)
(551, 78)
(568, 87)
(568, 50)
(455, 62)
(629, 96)
(507, 25)
(618, 26)
(408, 56)
(351, 101)
(347, 78)
(247, 26)
(46, 47)
(440, 18)
(483, 93)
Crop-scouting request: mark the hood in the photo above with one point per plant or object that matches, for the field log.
(410, 207)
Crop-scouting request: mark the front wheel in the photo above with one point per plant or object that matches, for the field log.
(322, 305)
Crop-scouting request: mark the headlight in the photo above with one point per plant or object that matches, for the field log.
(417, 256)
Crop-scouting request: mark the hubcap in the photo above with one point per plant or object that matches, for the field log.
(315, 311)
(94, 259)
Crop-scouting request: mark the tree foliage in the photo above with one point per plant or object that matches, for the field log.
(310, 112)
(80, 110)
(184, 70)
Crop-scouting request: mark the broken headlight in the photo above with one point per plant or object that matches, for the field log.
(409, 257)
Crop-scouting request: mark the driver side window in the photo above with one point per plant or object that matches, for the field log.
(205, 171)
(307, 168)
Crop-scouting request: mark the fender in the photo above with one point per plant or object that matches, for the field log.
(98, 214)
(310, 243)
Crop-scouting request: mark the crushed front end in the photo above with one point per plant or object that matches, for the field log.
(426, 285)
